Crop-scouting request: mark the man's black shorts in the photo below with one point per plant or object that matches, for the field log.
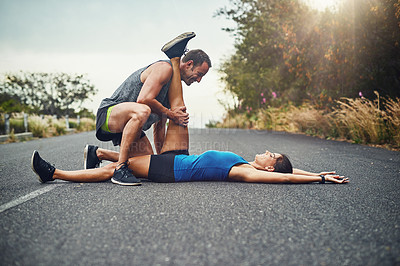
(104, 135)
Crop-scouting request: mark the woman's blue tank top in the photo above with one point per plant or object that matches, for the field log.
(209, 166)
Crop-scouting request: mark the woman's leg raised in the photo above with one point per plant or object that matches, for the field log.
(177, 137)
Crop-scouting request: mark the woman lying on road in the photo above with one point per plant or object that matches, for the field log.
(174, 164)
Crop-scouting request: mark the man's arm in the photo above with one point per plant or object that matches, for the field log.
(157, 77)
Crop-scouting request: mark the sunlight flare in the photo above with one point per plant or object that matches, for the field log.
(321, 5)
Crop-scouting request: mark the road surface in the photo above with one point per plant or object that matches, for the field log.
(204, 223)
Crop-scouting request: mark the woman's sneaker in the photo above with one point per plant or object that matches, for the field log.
(177, 47)
(42, 169)
(90, 159)
(123, 176)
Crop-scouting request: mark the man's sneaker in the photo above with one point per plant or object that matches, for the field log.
(90, 159)
(42, 169)
(123, 176)
(177, 46)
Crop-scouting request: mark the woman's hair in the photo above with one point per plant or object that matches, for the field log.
(283, 165)
(198, 56)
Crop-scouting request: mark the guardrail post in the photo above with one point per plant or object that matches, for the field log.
(66, 122)
(26, 122)
(7, 123)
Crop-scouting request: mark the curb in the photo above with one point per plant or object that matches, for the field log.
(27, 135)
(18, 136)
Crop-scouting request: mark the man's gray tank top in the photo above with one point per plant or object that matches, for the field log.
(129, 91)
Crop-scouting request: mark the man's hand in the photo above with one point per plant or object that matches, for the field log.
(179, 116)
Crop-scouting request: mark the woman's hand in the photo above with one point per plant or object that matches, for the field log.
(336, 179)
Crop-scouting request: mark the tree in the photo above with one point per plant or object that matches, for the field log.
(285, 49)
(48, 93)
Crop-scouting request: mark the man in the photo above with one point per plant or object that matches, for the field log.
(142, 100)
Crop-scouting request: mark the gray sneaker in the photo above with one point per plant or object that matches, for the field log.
(177, 46)
(90, 159)
(123, 176)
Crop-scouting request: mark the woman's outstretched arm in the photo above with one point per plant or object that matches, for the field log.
(247, 173)
(328, 173)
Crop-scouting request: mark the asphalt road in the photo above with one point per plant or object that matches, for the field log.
(204, 223)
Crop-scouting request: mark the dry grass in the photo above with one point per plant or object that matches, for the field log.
(392, 118)
(235, 121)
(307, 119)
(49, 126)
(290, 119)
(86, 124)
(37, 126)
(359, 120)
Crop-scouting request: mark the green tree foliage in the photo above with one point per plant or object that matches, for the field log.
(285, 50)
(45, 93)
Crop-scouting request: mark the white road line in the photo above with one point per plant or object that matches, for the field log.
(27, 197)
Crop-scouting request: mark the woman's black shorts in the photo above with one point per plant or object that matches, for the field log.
(161, 167)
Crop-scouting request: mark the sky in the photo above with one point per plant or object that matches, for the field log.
(109, 40)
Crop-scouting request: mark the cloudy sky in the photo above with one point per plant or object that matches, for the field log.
(108, 40)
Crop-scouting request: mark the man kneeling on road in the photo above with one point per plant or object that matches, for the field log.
(142, 100)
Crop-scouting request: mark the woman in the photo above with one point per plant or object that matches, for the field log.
(175, 165)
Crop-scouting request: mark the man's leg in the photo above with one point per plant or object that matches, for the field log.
(129, 119)
(177, 137)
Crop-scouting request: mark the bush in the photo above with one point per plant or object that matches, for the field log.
(11, 137)
(86, 124)
(37, 126)
(72, 124)
(2, 125)
(311, 121)
(60, 128)
(17, 124)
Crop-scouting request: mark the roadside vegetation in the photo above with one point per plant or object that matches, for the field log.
(45, 126)
(332, 74)
(358, 120)
(47, 98)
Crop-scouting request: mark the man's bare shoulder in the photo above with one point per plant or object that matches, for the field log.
(159, 70)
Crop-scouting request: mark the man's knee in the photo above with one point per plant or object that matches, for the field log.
(143, 112)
